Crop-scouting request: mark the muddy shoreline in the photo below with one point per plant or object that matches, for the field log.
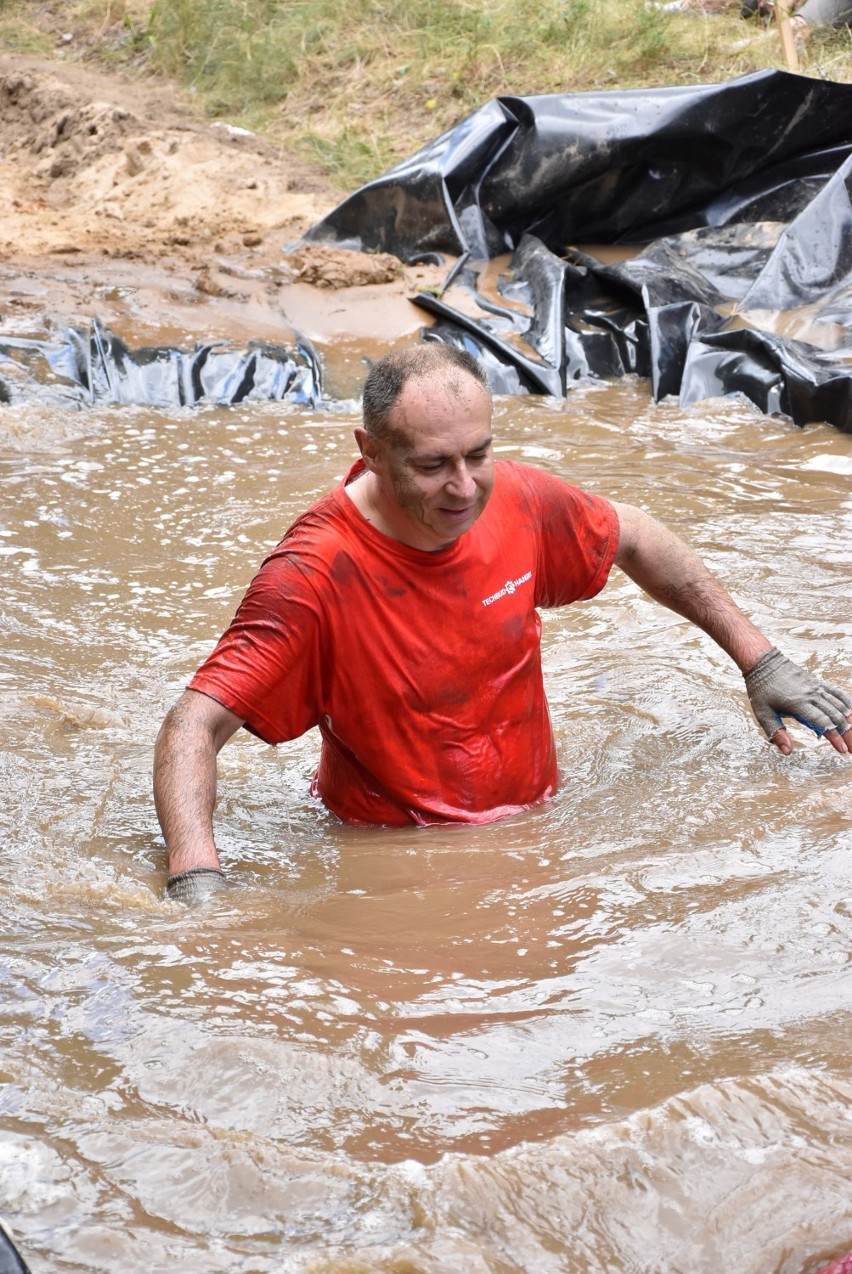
(120, 204)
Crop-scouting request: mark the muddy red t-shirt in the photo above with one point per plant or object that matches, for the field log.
(422, 670)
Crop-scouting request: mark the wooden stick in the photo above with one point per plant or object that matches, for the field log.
(785, 34)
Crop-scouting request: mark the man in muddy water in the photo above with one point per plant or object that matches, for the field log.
(399, 616)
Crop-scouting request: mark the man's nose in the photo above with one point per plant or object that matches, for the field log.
(461, 483)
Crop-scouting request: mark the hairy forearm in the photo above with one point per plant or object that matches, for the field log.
(185, 789)
(668, 570)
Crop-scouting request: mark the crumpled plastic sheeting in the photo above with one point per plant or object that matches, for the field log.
(94, 366)
(740, 192)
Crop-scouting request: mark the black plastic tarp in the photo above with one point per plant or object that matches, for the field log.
(738, 193)
(734, 199)
(91, 365)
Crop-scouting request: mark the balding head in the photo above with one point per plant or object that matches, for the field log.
(443, 366)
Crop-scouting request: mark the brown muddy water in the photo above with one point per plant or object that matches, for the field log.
(610, 1034)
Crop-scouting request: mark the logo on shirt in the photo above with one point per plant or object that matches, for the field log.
(508, 589)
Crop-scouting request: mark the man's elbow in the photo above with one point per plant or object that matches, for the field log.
(630, 530)
(197, 720)
(173, 724)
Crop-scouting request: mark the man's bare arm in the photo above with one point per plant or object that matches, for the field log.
(185, 755)
(673, 574)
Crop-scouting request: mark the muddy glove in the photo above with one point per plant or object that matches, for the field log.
(197, 885)
(777, 687)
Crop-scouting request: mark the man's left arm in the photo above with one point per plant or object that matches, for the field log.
(672, 573)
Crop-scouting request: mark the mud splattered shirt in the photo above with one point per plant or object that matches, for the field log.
(422, 670)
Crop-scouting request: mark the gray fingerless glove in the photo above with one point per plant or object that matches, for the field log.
(779, 688)
(199, 884)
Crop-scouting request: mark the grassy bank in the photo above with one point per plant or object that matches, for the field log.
(360, 85)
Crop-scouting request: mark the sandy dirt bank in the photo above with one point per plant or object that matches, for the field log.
(120, 203)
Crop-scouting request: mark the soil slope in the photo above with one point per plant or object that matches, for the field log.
(120, 202)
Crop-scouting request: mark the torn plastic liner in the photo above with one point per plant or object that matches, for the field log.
(698, 236)
(94, 366)
(737, 196)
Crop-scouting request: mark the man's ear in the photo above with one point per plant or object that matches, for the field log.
(369, 447)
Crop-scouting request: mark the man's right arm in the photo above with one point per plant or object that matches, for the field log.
(185, 755)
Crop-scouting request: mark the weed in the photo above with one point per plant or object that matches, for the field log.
(361, 85)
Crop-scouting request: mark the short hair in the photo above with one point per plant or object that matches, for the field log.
(388, 377)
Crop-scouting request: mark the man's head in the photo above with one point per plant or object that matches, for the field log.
(432, 361)
(426, 443)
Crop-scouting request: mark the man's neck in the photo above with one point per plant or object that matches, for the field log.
(363, 492)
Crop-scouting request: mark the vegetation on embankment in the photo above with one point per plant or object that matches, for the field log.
(360, 84)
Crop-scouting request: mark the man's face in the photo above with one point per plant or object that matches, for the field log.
(436, 472)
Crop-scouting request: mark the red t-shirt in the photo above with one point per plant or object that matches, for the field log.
(422, 670)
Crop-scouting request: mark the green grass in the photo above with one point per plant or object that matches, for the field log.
(359, 84)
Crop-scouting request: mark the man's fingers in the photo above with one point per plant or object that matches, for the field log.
(840, 695)
(817, 720)
(769, 720)
(835, 704)
(782, 741)
(779, 688)
(841, 741)
(824, 713)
